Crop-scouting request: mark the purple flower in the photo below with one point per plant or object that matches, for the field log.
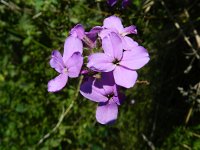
(69, 67)
(113, 2)
(122, 63)
(114, 24)
(88, 38)
(104, 92)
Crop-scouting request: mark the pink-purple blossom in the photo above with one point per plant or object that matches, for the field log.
(66, 68)
(114, 24)
(106, 93)
(123, 64)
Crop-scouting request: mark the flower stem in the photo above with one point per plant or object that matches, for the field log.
(63, 115)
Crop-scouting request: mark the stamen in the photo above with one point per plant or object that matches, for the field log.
(97, 76)
(65, 70)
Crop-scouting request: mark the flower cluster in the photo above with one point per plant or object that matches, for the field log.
(112, 60)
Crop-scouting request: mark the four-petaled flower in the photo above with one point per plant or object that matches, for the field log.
(114, 24)
(122, 63)
(106, 93)
(66, 67)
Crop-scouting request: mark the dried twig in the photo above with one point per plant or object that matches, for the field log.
(143, 82)
(189, 114)
(150, 144)
(11, 5)
(186, 39)
(196, 35)
(186, 146)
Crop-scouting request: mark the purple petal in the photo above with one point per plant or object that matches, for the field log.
(124, 77)
(129, 43)
(116, 100)
(119, 96)
(114, 23)
(93, 33)
(74, 65)
(91, 92)
(100, 62)
(56, 61)
(112, 45)
(104, 33)
(78, 31)
(136, 58)
(57, 83)
(108, 82)
(98, 86)
(107, 112)
(107, 78)
(111, 2)
(129, 30)
(72, 45)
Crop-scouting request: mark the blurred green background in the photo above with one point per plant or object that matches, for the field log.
(163, 115)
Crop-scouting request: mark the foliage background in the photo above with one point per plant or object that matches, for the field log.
(165, 113)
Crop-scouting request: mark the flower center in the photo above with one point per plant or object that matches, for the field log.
(116, 62)
(65, 70)
(109, 96)
(123, 33)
